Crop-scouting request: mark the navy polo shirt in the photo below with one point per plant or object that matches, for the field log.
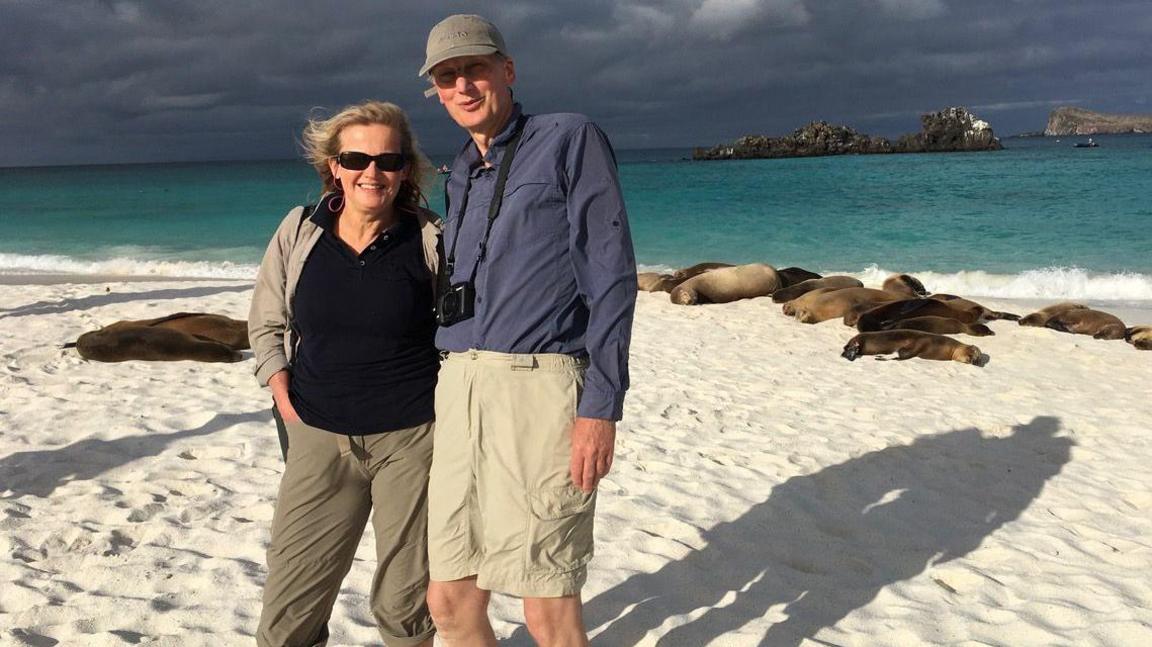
(366, 361)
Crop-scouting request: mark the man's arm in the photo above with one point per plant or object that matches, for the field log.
(604, 263)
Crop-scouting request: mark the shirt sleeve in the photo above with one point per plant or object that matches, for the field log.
(604, 263)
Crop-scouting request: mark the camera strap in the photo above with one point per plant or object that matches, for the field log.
(493, 207)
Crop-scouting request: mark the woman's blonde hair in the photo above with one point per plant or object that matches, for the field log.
(321, 142)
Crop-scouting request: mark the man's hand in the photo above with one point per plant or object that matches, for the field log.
(593, 443)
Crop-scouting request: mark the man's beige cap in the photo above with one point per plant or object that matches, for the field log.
(461, 35)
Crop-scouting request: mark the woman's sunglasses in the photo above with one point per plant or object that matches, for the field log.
(354, 161)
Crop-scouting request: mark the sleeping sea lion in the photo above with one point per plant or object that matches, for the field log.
(1085, 321)
(233, 333)
(696, 270)
(727, 284)
(835, 282)
(941, 326)
(905, 284)
(912, 343)
(655, 282)
(1041, 316)
(790, 307)
(117, 343)
(836, 303)
(1139, 336)
(982, 313)
(794, 275)
(885, 315)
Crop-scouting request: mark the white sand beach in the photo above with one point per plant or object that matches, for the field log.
(766, 491)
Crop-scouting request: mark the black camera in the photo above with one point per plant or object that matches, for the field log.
(456, 304)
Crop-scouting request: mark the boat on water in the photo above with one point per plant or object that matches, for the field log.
(1088, 144)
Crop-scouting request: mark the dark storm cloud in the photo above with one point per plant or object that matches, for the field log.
(87, 81)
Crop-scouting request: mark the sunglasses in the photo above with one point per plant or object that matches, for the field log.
(354, 161)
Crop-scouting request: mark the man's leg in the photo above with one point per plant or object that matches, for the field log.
(460, 611)
(556, 622)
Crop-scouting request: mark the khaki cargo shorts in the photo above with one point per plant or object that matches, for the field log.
(501, 504)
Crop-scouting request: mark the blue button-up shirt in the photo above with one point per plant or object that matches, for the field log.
(560, 274)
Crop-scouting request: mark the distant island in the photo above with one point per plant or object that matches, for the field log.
(1067, 120)
(949, 130)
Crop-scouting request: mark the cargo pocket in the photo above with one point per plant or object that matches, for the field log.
(560, 529)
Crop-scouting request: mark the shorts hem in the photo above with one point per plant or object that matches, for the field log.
(452, 574)
(544, 585)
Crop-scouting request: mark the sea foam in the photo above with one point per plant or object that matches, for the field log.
(122, 266)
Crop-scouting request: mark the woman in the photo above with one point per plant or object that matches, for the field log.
(342, 328)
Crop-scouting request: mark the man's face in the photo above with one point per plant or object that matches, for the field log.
(476, 91)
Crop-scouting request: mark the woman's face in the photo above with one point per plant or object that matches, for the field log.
(371, 190)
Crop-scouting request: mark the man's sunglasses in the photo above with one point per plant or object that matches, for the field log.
(354, 161)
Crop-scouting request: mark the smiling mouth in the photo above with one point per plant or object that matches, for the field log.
(370, 186)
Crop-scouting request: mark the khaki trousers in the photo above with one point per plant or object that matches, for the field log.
(331, 484)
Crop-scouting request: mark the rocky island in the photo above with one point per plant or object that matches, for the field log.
(949, 130)
(1067, 120)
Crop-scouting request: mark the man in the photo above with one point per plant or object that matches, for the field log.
(540, 288)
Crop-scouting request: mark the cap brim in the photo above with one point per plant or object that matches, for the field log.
(463, 50)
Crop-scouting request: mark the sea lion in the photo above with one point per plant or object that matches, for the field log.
(727, 284)
(912, 343)
(1139, 336)
(790, 307)
(834, 304)
(1085, 321)
(118, 343)
(982, 313)
(904, 284)
(655, 282)
(799, 289)
(794, 275)
(697, 269)
(941, 326)
(233, 333)
(1041, 316)
(885, 315)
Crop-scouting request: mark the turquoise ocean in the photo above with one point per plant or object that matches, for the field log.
(1040, 219)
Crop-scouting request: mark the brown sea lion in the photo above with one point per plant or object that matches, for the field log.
(727, 284)
(1085, 321)
(982, 313)
(117, 343)
(793, 275)
(834, 304)
(912, 343)
(233, 333)
(1139, 336)
(884, 315)
(904, 284)
(697, 269)
(790, 307)
(834, 282)
(1041, 316)
(941, 326)
(655, 282)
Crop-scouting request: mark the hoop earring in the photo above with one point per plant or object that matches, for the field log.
(336, 202)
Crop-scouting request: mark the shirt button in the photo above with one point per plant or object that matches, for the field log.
(373, 248)
(361, 263)
(384, 238)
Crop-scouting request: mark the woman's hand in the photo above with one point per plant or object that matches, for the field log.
(279, 384)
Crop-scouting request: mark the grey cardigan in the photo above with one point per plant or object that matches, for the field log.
(270, 316)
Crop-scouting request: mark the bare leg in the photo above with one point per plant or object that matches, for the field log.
(556, 622)
(460, 611)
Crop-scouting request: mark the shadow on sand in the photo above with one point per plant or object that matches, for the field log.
(103, 299)
(825, 544)
(40, 472)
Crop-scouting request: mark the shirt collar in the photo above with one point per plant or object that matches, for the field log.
(470, 155)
